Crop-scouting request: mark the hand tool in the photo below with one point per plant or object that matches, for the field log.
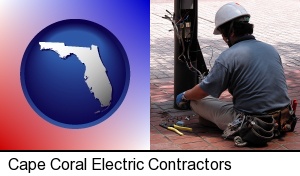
(182, 128)
(294, 105)
(175, 128)
(164, 125)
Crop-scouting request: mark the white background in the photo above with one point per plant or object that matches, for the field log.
(242, 163)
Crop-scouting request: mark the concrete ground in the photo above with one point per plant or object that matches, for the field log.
(276, 23)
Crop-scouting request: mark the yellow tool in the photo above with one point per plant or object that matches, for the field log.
(182, 128)
(176, 128)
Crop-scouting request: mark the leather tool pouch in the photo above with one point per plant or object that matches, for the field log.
(285, 121)
(258, 130)
(254, 130)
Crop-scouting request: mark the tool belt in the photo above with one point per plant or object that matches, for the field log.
(285, 121)
(250, 129)
(257, 130)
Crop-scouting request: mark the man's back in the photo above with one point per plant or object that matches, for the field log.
(256, 80)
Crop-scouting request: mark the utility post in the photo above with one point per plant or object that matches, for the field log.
(187, 53)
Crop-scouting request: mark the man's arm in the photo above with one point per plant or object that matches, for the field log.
(183, 99)
(195, 93)
(213, 84)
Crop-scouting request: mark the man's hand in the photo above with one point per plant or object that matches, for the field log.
(182, 102)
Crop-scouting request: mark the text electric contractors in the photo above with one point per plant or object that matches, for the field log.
(104, 164)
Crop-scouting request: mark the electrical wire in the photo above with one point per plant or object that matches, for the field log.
(212, 53)
(171, 18)
(187, 59)
(201, 77)
(185, 17)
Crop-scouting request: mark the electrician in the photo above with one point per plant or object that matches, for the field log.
(251, 70)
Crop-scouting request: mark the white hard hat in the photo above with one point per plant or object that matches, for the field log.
(228, 12)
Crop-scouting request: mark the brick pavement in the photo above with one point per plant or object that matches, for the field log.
(277, 24)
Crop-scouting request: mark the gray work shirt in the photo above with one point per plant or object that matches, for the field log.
(252, 72)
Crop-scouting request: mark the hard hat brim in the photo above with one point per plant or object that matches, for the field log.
(216, 32)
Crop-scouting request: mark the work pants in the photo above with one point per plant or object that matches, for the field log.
(214, 110)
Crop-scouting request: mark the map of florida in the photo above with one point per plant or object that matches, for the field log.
(95, 73)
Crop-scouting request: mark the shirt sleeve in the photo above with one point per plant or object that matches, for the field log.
(216, 81)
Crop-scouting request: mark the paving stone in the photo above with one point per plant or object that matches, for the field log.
(276, 26)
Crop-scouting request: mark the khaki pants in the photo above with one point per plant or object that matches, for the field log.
(214, 110)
